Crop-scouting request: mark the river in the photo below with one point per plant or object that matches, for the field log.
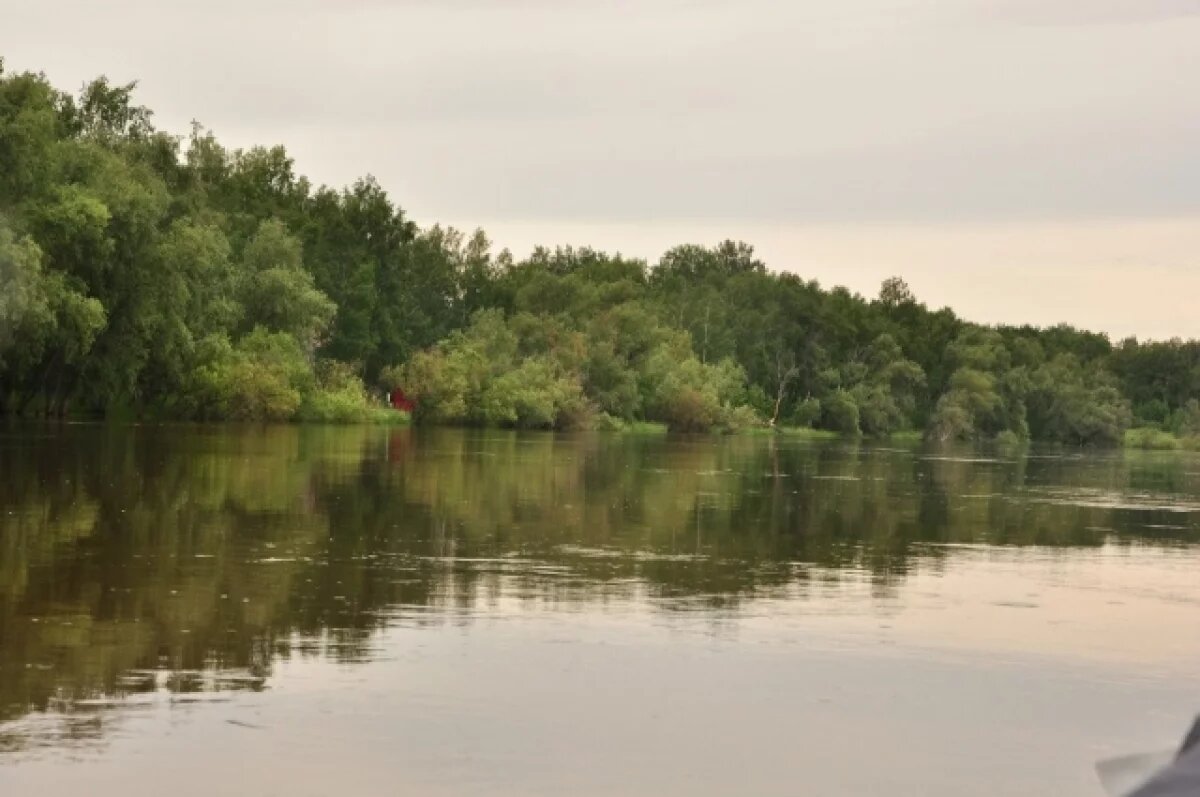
(368, 611)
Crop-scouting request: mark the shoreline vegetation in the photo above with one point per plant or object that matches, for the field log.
(1154, 439)
(145, 275)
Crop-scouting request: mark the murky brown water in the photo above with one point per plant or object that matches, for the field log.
(363, 611)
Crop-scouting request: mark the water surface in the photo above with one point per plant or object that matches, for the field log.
(298, 611)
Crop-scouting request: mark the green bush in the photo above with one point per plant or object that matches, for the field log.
(253, 392)
(951, 420)
(1149, 438)
(646, 428)
(806, 412)
(263, 379)
(807, 433)
(338, 397)
(1009, 439)
(879, 413)
(840, 413)
(267, 376)
(688, 395)
(688, 409)
(325, 406)
(1072, 404)
(740, 419)
(1154, 412)
(1186, 420)
(534, 396)
(603, 422)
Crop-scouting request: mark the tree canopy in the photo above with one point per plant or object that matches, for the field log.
(144, 273)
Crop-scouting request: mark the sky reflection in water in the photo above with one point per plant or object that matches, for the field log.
(449, 612)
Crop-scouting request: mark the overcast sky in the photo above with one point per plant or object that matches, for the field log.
(1019, 160)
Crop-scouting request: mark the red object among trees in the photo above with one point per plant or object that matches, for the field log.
(399, 401)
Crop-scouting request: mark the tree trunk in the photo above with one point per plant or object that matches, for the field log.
(784, 378)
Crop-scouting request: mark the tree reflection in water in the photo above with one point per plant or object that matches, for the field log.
(178, 560)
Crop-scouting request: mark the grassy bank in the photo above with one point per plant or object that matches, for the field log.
(805, 433)
(347, 410)
(607, 423)
(809, 433)
(1150, 439)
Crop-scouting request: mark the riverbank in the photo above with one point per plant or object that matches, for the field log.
(348, 414)
(1150, 439)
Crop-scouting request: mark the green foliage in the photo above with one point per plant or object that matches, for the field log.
(804, 413)
(603, 422)
(277, 293)
(263, 379)
(647, 428)
(541, 372)
(339, 396)
(1157, 374)
(689, 395)
(173, 277)
(876, 393)
(447, 381)
(1008, 439)
(1071, 404)
(894, 292)
(534, 395)
(47, 328)
(952, 420)
(1186, 420)
(839, 412)
(23, 301)
(1155, 412)
(984, 397)
(806, 433)
(1148, 438)
(1182, 430)
(742, 418)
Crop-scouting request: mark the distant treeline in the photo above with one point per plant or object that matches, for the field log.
(144, 274)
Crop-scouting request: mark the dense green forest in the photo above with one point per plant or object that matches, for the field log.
(145, 274)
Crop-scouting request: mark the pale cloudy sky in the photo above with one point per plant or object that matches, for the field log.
(1019, 160)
